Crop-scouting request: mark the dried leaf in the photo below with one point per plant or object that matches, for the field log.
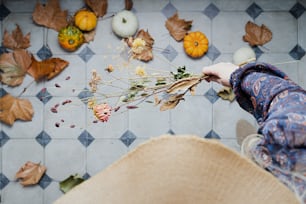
(89, 36)
(184, 84)
(30, 173)
(47, 68)
(98, 6)
(145, 54)
(14, 66)
(16, 39)
(12, 108)
(257, 35)
(227, 93)
(171, 102)
(128, 5)
(50, 15)
(70, 182)
(178, 27)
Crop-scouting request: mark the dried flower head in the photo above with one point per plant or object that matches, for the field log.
(138, 45)
(140, 71)
(102, 111)
(95, 80)
(109, 68)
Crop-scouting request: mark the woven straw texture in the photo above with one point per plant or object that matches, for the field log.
(181, 169)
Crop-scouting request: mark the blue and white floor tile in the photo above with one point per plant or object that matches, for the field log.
(69, 141)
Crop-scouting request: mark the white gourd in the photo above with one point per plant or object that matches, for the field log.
(125, 24)
(243, 56)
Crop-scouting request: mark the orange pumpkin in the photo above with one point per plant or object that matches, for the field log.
(85, 20)
(195, 44)
(70, 38)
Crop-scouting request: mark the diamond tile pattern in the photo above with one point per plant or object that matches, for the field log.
(2, 92)
(86, 54)
(85, 94)
(85, 138)
(44, 52)
(254, 10)
(85, 146)
(211, 95)
(43, 95)
(169, 10)
(257, 51)
(297, 52)
(43, 139)
(211, 11)
(45, 181)
(297, 10)
(213, 53)
(170, 53)
(3, 50)
(4, 12)
(3, 138)
(212, 135)
(128, 138)
(3, 181)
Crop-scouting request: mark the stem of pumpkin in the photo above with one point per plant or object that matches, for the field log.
(123, 20)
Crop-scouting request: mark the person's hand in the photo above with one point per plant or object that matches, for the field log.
(220, 73)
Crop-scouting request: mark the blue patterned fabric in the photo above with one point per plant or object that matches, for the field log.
(279, 106)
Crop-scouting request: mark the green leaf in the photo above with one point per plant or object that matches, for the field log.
(70, 182)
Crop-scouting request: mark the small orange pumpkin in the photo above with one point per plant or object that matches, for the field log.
(195, 44)
(70, 38)
(85, 20)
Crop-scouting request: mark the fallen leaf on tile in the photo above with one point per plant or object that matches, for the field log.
(30, 173)
(12, 109)
(50, 15)
(128, 5)
(178, 27)
(47, 68)
(98, 6)
(14, 66)
(257, 35)
(227, 93)
(89, 36)
(70, 182)
(142, 45)
(16, 39)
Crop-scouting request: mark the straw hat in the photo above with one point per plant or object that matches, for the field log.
(181, 169)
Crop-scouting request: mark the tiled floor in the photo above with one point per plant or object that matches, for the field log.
(89, 148)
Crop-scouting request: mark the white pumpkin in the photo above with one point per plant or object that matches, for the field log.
(243, 56)
(125, 24)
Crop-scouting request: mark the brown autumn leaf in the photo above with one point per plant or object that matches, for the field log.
(178, 27)
(98, 6)
(128, 5)
(142, 45)
(47, 68)
(16, 39)
(257, 35)
(12, 109)
(184, 85)
(30, 173)
(50, 15)
(14, 66)
(171, 102)
(227, 93)
(89, 36)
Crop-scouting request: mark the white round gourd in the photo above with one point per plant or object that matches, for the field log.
(125, 24)
(243, 56)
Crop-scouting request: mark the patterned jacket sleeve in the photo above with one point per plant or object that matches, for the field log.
(279, 106)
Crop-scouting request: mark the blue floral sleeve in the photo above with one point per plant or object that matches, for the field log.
(279, 106)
